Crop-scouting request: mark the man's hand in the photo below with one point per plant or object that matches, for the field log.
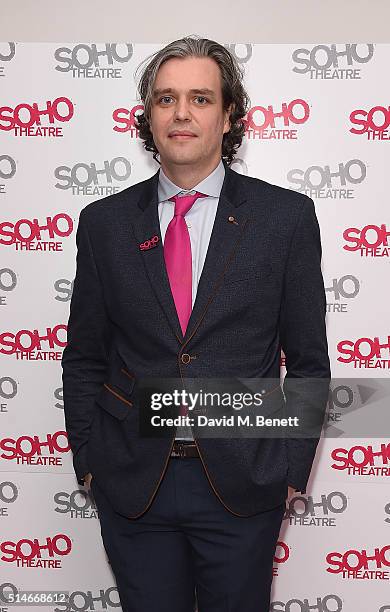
(291, 491)
(87, 480)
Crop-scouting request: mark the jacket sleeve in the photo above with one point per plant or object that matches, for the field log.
(304, 342)
(85, 357)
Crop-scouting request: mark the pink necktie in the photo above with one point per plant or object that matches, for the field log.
(178, 261)
(178, 258)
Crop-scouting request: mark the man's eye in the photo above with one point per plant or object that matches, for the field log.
(166, 99)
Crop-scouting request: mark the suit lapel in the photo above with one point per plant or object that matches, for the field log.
(222, 248)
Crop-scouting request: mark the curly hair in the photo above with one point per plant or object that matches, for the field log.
(233, 91)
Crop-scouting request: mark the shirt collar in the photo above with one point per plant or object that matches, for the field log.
(211, 185)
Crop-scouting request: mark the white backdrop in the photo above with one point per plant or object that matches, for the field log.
(318, 123)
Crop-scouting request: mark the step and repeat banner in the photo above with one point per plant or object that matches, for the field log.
(318, 123)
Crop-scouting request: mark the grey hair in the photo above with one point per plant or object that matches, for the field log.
(233, 91)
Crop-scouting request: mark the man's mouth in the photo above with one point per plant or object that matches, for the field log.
(182, 135)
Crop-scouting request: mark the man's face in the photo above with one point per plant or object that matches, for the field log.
(187, 99)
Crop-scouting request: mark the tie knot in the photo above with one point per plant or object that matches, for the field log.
(184, 203)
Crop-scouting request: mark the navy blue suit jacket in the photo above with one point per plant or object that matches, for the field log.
(261, 289)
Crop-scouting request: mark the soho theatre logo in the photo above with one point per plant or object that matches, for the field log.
(373, 122)
(364, 564)
(7, 53)
(326, 183)
(324, 603)
(7, 170)
(124, 120)
(8, 496)
(33, 235)
(33, 345)
(93, 179)
(365, 353)
(91, 601)
(241, 51)
(347, 288)
(8, 282)
(35, 450)
(368, 241)
(332, 61)
(64, 289)
(77, 505)
(345, 398)
(281, 556)
(93, 61)
(58, 395)
(307, 511)
(359, 460)
(37, 119)
(269, 123)
(47, 553)
(8, 390)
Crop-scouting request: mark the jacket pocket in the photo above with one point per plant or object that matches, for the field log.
(115, 395)
(121, 379)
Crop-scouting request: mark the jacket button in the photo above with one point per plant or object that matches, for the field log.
(185, 358)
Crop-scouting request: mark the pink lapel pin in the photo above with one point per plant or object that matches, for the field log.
(149, 244)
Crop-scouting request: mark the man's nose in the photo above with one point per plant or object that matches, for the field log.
(182, 109)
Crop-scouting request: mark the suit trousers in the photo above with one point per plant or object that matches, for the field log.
(188, 550)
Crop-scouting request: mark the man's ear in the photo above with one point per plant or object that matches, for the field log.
(227, 125)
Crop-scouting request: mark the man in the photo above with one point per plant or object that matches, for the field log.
(195, 272)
